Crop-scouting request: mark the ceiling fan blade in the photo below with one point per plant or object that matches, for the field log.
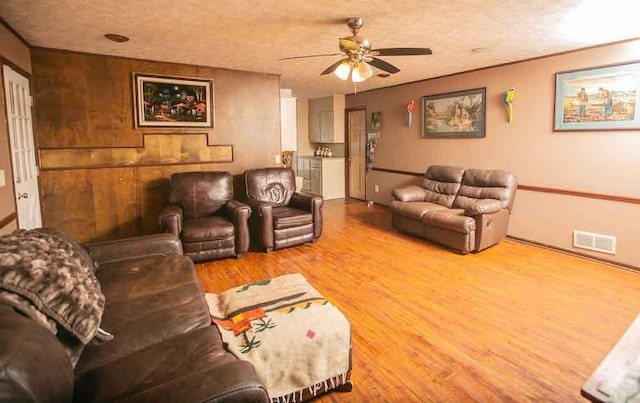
(349, 44)
(304, 57)
(401, 52)
(382, 65)
(331, 68)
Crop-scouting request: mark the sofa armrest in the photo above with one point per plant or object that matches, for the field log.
(312, 204)
(24, 377)
(262, 216)
(410, 193)
(171, 219)
(134, 248)
(304, 202)
(483, 207)
(239, 214)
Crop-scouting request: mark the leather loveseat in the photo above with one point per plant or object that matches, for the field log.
(464, 209)
(164, 348)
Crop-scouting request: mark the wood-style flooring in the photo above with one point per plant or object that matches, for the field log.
(513, 323)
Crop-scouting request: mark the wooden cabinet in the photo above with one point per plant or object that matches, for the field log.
(314, 127)
(322, 176)
(327, 132)
(326, 119)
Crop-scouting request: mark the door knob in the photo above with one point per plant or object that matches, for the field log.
(23, 195)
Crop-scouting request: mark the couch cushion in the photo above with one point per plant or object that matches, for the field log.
(410, 193)
(271, 185)
(453, 220)
(133, 279)
(479, 184)
(193, 367)
(413, 210)
(288, 217)
(200, 194)
(147, 320)
(207, 229)
(441, 184)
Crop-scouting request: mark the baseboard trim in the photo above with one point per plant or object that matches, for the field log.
(575, 253)
(8, 220)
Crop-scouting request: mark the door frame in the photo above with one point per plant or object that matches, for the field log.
(4, 61)
(347, 151)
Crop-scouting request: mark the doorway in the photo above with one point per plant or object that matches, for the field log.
(356, 153)
(21, 141)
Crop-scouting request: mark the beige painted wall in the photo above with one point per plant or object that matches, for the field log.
(605, 162)
(17, 53)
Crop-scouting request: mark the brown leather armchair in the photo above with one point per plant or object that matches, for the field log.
(203, 214)
(281, 217)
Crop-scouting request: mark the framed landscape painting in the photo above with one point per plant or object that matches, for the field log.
(603, 98)
(172, 102)
(454, 114)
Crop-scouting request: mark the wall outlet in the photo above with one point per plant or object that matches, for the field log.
(278, 160)
(376, 188)
(3, 180)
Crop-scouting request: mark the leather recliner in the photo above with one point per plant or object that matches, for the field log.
(203, 214)
(280, 216)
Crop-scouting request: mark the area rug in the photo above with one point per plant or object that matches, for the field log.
(299, 343)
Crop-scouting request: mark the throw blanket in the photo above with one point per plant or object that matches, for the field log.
(298, 342)
(48, 277)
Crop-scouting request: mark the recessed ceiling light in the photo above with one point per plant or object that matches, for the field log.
(116, 37)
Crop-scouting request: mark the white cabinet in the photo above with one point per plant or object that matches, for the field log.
(326, 119)
(288, 124)
(322, 176)
(304, 170)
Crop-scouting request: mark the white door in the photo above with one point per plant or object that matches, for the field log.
(25, 170)
(357, 125)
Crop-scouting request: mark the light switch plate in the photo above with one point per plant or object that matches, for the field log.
(3, 181)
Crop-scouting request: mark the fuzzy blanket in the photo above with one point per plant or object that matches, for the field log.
(49, 277)
(299, 343)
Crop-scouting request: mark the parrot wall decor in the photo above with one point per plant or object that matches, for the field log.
(508, 101)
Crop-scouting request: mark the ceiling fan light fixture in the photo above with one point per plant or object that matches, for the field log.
(343, 70)
(361, 72)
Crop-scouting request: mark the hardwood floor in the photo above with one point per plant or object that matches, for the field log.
(513, 323)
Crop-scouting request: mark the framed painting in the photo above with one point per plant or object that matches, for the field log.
(455, 114)
(172, 102)
(601, 98)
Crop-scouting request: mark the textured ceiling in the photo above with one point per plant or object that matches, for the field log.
(252, 35)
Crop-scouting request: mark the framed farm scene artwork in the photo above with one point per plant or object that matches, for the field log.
(172, 102)
(603, 98)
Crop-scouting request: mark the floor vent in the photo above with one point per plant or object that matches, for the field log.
(597, 242)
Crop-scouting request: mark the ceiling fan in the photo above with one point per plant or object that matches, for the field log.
(360, 57)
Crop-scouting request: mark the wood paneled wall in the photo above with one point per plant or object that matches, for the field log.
(100, 177)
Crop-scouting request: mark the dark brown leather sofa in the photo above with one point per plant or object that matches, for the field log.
(203, 214)
(164, 347)
(281, 217)
(464, 209)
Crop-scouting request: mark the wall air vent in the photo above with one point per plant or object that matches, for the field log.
(592, 241)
